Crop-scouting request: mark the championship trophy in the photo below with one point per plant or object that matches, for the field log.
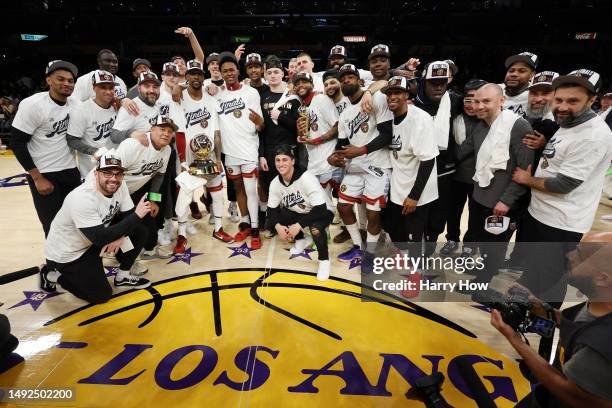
(202, 165)
(303, 114)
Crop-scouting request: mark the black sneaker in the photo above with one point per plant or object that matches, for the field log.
(449, 248)
(132, 282)
(43, 282)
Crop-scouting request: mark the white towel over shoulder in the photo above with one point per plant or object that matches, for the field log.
(442, 122)
(494, 152)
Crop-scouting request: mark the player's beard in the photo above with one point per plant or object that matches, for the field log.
(569, 118)
(350, 89)
(538, 113)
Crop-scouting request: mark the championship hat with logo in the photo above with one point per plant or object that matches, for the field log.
(195, 65)
(582, 77)
(101, 77)
(528, 58)
(148, 77)
(544, 79)
(338, 50)
(348, 69)
(437, 70)
(379, 50)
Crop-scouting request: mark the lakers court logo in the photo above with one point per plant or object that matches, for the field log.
(261, 338)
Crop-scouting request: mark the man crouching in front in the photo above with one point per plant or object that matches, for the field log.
(96, 218)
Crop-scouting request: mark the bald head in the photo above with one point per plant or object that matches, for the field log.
(494, 90)
(591, 266)
(488, 102)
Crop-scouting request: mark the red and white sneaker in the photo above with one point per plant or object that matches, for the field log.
(245, 231)
(255, 239)
(181, 245)
(223, 236)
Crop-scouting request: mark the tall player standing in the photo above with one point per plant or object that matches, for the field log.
(240, 118)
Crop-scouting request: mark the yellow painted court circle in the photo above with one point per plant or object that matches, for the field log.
(257, 337)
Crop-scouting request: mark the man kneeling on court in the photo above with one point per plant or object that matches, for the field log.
(296, 201)
(97, 217)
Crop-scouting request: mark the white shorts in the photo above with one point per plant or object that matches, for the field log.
(333, 178)
(360, 186)
(236, 168)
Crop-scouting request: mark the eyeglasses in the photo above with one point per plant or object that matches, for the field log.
(469, 101)
(110, 174)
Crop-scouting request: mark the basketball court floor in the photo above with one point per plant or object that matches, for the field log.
(227, 326)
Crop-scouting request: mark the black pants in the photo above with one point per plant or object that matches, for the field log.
(266, 177)
(231, 188)
(47, 206)
(168, 191)
(492, 247)
(85, 277)
(317, 229)
(438, 213)
(407, 231)
(149, 222)
(461, 192)
(542, 253)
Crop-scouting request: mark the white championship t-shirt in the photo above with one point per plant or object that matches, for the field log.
(47, 122)
(141, 163)
(584, 153)
(199, 120)
(92, 123)
(83, 88)
(299, 196)
(360, 129)
(323, 116)
(83, 207)
(413, 142)
(239, 136)
(518, 103)
(144, 120)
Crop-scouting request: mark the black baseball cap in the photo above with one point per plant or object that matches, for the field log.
(586, 78)
(227, 56)
(330, 73)
(285, 150)
(348, 69)
(474, 84)
(213, 56)
(59, 64)
(528, 58)
(304, 76)
(379, 50)
(140, 61)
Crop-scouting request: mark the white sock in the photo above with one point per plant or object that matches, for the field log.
(353, 229)
(263, 206)
(217, 208)
(53, 275)
(250, 187)
(245, 218)
(182, 228)
(121, 274)
(371, 241)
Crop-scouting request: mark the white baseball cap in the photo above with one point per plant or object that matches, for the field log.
(100, 77)
(544, 78)
(437, 70)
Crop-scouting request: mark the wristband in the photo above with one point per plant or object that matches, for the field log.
(317, 140)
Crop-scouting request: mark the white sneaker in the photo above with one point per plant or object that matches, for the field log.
(323, 272)
(233, 212)
(156, 253)
(300, 245)
(169, 228)
(191, 229)
(138, 269)
(163, 238)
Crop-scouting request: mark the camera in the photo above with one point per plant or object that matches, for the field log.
(427, 389)
(515, 309)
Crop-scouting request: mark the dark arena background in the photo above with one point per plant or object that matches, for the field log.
(238, 310)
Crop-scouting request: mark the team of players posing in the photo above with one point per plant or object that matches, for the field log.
(390, 146)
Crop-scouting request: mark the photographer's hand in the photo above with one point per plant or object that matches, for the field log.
(562, 388)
